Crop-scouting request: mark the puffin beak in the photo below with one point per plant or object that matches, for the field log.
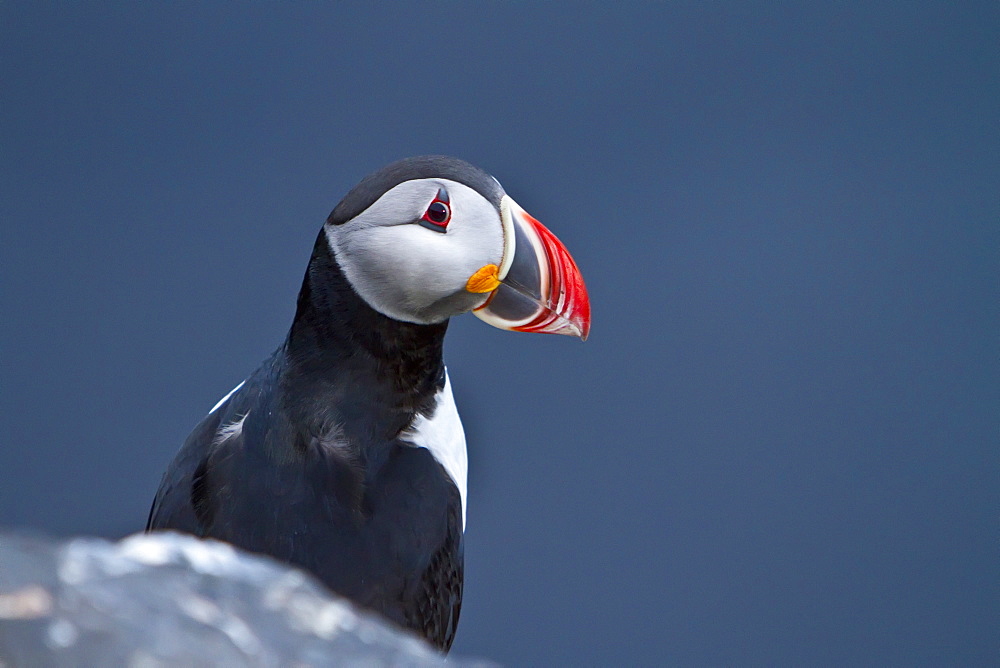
(537, 287)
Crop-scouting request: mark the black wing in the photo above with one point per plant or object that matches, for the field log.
(173, 507)
(438, 599)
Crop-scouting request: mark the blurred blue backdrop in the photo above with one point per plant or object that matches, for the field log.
(781, 444)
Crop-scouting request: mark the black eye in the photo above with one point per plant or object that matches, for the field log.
(438, 212)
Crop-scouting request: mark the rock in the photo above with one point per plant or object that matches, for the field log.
(168, 600)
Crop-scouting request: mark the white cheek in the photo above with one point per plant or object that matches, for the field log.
(424, 265)
(404, 270)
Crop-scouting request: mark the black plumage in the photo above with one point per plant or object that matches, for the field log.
(308, 461)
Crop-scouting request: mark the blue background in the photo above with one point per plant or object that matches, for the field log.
(781, 444)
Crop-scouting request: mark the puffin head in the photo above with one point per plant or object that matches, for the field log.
(427, 238)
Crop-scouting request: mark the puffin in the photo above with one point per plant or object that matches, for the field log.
(343, 453)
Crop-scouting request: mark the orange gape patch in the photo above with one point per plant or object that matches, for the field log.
(484, 280)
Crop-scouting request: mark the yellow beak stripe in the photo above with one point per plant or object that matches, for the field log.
(484, 280)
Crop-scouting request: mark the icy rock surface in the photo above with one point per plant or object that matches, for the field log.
(173, 600)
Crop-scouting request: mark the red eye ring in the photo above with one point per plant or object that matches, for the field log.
(438, 213)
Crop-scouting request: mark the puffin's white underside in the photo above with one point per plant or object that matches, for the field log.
(442, 434)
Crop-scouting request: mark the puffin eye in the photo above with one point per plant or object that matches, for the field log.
(438, 213)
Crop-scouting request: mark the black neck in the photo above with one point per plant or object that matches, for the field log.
(380, 370)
